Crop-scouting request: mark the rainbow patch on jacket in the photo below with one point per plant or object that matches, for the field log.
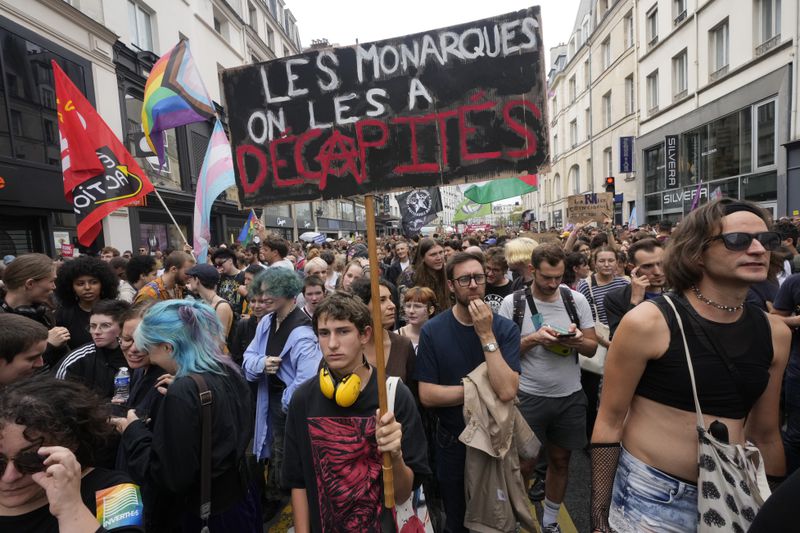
(120, 506)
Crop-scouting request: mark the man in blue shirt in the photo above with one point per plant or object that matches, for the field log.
(451, 345)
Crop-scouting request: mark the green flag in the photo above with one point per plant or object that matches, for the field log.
(469, 209)
(501, 189)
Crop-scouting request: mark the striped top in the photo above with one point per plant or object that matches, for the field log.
(599, 295)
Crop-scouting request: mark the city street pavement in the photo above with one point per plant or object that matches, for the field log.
(574, 517)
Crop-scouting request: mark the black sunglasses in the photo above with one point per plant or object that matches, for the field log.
(739, 241)
(27, 461)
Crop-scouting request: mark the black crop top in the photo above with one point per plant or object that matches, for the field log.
(747, 343)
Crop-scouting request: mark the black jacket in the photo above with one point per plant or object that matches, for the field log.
(167, 459)
(42, 314)
(94, 367)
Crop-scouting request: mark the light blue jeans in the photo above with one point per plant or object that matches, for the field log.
(648, 500)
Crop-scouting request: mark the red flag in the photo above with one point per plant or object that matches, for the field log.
(100, 175)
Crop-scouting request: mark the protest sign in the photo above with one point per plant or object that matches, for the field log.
(592, 206)
(458, 103)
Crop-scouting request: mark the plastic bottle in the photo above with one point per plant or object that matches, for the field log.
(122, 386)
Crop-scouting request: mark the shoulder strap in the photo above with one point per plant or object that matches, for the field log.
(569, 305)
(519, 307)
(700, 423)
(593, 281)
(391, 391)
(206, 399)
(796, 264)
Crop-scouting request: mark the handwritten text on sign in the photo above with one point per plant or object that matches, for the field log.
(588, 207)
(420, 110)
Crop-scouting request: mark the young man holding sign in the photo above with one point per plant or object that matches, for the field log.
(335, 435)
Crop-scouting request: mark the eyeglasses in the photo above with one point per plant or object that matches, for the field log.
(464, 281)
(27, 461)
(221, 263)
(105, 326)
(739, 241)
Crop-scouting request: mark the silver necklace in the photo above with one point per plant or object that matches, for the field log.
(712, 303)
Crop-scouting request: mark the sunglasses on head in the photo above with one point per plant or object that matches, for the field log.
(739, 241)
(27, 461)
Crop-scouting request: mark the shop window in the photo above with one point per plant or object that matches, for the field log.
(654, 168)
(765, 134)
(761, 187)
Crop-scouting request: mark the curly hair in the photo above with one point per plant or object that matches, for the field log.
(85, 266)
(63, 413)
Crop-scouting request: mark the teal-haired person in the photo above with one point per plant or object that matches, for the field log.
(184, 337)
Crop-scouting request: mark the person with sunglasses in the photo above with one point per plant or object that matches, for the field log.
(644, 447)
(50, 432)
(96, 363)
(230, 279)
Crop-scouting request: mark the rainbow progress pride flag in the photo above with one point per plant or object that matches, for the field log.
(174, 95)
(248, 230)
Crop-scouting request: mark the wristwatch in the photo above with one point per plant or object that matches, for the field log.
(490, 347)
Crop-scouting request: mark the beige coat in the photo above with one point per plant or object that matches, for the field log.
(496, 437)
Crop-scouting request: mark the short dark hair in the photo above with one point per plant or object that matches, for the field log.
(139, 265)
(550, 252)
(497, 255)
(343, 306)
(253, 249)
(278, 244)
(17, 334)
(665, 225)
(116, 309)
(313, 281)
(643, 245)
(328, 256)
(362, 287)
(118, 262)
(473, 241)
(254, 269)
(787, 230)
(459, 258)
(223, 253)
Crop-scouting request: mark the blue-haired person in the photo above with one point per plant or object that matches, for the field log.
(283, 354)
(184, 338)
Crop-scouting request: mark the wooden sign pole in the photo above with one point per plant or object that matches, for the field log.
(377, 334)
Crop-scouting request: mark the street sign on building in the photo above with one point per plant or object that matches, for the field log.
(427, 109)
(625, 154)
(671, 155)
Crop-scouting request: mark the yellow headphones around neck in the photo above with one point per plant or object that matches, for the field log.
(344, 391)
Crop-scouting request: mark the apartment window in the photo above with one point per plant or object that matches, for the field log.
(573, 133)
(141, 29)
(607, 109)
(718, 50)
(252, 16)
(589, 174)
(555, 105)
(572, 89)
(765, 134)
(605, 51)
(608, 166)
(652, 27)
(588, 122)
(220, 23)
(555, 145)
(575, 178)
(630, 95)
(270, 37)
(556, 188)
(587, 73)
(585, 30)
(678, 11)
(679, 74)
(628, 28)
(652, 92)
(769, 22)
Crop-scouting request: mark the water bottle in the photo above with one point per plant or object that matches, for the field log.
(122, 386)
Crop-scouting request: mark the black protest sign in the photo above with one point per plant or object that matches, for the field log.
(427, 109)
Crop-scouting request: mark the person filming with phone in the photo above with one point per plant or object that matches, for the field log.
(556, 325)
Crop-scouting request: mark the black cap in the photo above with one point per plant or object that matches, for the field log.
(206, 273)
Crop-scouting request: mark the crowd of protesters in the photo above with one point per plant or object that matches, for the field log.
(253, 383)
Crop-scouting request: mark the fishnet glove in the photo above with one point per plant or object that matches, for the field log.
(605, 457)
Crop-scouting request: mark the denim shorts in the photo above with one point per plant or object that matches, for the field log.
(648, 500)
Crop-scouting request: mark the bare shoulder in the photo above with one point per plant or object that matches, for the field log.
(781, 337)
(643, 331)
(646, 317)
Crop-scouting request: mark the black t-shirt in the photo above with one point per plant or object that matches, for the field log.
(331, 452)
(110, 495)
(76, 320)
(495, 294)
(228, 288)
(448, 350)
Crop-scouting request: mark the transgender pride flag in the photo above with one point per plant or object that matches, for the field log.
(215, 176)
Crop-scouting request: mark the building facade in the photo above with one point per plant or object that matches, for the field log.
(592, 112)
(719, 104)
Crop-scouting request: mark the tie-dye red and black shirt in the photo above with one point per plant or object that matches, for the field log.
(331, 452)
